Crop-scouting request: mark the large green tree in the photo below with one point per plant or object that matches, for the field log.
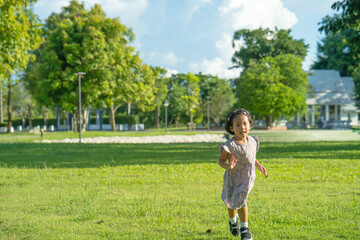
(184, 98)
(161, 92)
(220, 94)
(78, 40)
(259, 43)
(273, 86)
(335, 52)
(347, 18)
(19, 37)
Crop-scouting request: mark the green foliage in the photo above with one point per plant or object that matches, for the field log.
(20, 35)
(221, 96)
(346, 20)
(77, 40)
(260, 43)
(335, 52)
(356, 78)
(184, 98)
(272, 87)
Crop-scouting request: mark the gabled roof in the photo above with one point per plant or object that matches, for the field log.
(323, 80)
(328, 87)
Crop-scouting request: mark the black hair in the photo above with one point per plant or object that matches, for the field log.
(232, 115)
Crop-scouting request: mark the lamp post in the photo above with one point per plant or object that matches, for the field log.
(80, 74)
(208, 112)
(166, 104)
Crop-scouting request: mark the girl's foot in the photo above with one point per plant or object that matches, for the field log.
(234, 228)
(245, 233)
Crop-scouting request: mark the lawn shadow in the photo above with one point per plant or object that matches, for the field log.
(63, 155)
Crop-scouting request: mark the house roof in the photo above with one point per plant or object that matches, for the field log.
(328, 87)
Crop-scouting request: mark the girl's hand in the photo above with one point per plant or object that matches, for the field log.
(232, 163)
(262, 169)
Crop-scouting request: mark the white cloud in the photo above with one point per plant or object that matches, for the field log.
(168, 58)
(243, 14)
(170, 72)
(45, 8)
(128, 10)
(217, 67)
(224, 46)
(257, 13)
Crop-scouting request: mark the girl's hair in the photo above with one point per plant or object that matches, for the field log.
(231, 117)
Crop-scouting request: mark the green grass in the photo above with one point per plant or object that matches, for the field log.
(172, 191)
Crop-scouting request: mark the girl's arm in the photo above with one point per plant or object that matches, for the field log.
(261, 168)
(223, 163)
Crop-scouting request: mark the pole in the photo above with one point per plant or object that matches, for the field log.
(79, 108)
(80, 74)
(208, 112)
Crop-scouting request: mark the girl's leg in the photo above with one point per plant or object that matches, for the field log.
(232, 213)
(243, 214)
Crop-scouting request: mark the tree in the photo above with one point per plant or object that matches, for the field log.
(19, 37)
(161, 93)
(347, 19)
(221, 96)
(259, 43)
(335, 52)
(273, 86)
(184, 98)
(77, 40)
(22, 103)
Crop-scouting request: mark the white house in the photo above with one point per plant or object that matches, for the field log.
(331, 103)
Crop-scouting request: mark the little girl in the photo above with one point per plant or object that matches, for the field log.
(239, 177)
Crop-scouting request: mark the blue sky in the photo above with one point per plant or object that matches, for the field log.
(196, 35)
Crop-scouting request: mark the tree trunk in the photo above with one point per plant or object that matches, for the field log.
(112, 116)
(9, 106)
(269, 120)
(23, 118)
(75, 123)
(85, 119)
(112, 119)
(176, 120)
(45, 114)
(157, 117)
(29, 113)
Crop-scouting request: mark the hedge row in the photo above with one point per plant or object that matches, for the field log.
(40, 121)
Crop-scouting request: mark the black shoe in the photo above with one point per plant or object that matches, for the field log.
(245, 234)
(234, 228)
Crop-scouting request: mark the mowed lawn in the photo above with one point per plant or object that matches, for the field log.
(172, 191)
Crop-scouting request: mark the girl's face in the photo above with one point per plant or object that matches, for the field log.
(240, 126)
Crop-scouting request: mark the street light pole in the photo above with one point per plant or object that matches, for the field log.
(208, 112)
(80, 74)
(166, 104)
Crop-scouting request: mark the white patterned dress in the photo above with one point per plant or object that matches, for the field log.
(239, 181)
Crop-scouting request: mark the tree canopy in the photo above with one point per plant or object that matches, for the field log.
(221, 97)
(335, 52)
(273, 86)
(19, 37)
(259, 43)
(184, 98)
(78, 40)
(347, 19)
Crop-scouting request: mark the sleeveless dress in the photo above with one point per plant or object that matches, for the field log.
(239, 181)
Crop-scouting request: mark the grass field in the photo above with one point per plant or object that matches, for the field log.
(172, 191)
